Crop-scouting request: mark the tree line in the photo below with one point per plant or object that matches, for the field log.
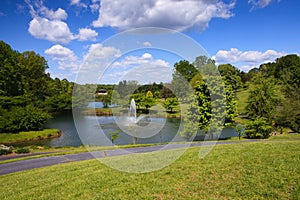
(27, 93)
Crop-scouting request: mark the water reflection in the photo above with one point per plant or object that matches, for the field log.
(89, 126)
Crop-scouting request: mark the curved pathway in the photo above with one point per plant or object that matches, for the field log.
(22, 165)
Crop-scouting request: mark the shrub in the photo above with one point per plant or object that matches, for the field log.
(27, 118)
(22, 150)
(4, 150)
(258, 129)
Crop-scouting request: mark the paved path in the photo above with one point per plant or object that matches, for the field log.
(22, 165)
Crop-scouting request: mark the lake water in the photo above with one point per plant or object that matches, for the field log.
(88, 131)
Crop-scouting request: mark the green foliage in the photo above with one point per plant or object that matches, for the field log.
(258, 129)
(114, 135)
(149, 94)
(263, 98)
(170, 104)
(139, 100)
(295, 123)
(286, 70)
(28, 135)
(231, 105)
(231, 75)
(5, 150)
(209, 100)
(23, 119)
(240, 129)
(184, 72)
(22, 150)
(125, 88)
(166, 91)
(148, 102)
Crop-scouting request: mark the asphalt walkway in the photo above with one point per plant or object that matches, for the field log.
(22, 165)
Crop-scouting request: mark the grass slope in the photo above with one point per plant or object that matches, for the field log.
(241, 171)
(29, 135)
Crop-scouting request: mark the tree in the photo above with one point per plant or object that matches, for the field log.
(240, 129)
(231, 104)
(259, 128)
(166, 91)
(231, 75)
(286, 70)
(183, 73)
(33, 68)
(263, 98)
(170, 104)
(149, 94)
(148, 102)
(211, 107)
(114, 135)
(22, 119)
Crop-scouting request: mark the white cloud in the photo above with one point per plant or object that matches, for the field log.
(260, 3)
(246, 60)
(48, 25)
(134, 61)
(87, 34)
(95, 6)
(175, 14)
(59, 14)
(65, 57)
(144, 69)
(52, 30)
(38, 9)
(78, 3)
(98, 51)
(147, 44)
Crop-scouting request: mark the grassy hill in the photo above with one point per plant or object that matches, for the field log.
(264, 170)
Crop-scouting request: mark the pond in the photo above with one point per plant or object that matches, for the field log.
(90, 128)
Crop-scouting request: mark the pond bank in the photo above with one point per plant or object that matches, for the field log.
(12, 139)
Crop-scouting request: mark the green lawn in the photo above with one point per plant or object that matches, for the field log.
(241, 171)
(242, 97)
(30, 135)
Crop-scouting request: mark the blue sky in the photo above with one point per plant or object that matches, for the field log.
(243, 33)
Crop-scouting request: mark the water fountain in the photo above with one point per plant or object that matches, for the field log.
(142, 126)
(132, 111)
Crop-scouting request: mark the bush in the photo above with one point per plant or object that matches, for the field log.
(295, 124)
(19, 119)
(22, 150)
(258, 129)
(4, 150)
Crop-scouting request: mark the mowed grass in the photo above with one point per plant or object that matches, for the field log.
(266, 170)
(29, 135)
(242, 97)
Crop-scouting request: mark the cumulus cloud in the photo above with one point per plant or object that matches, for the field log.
(175, 14)
(246, 60)
(87, 34)
(98, 51)
(59, 14)
(52, 30)
(144, 69)
(49, 25)
(38, 9)
(65, 57)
